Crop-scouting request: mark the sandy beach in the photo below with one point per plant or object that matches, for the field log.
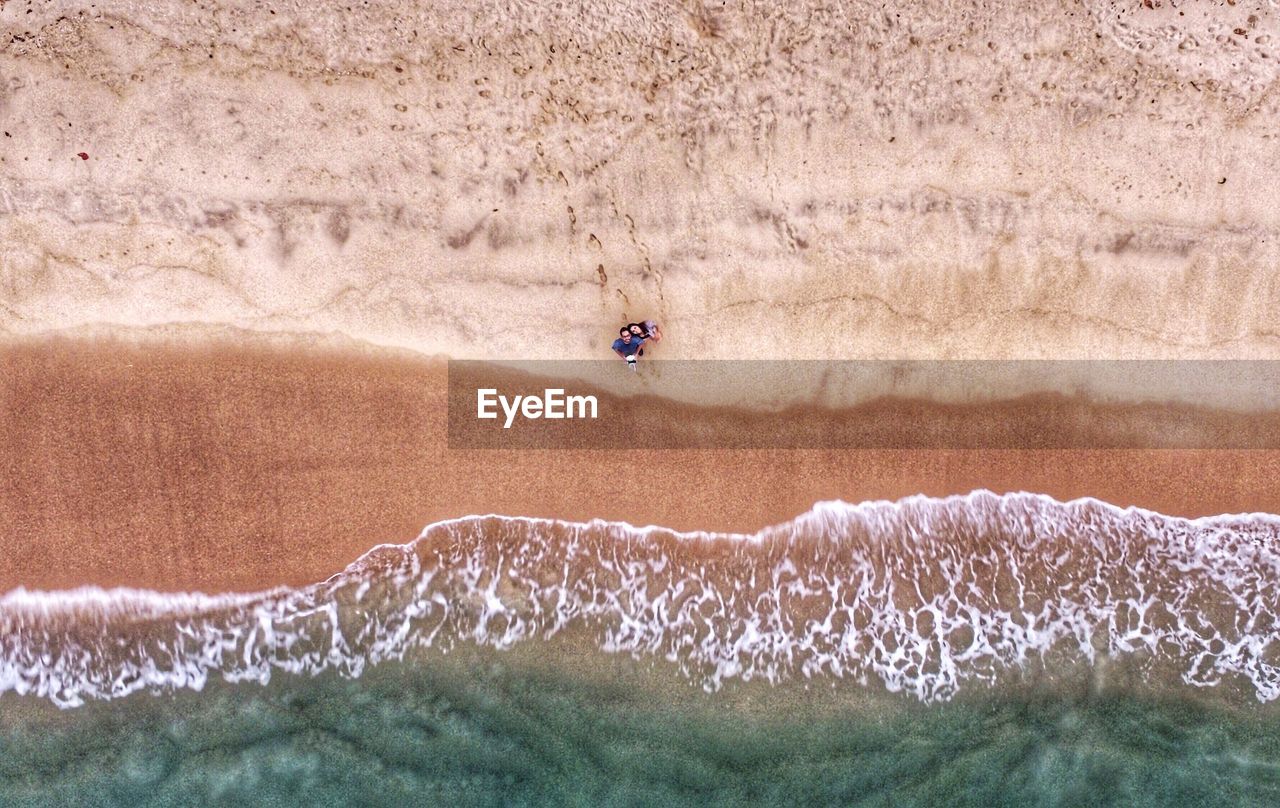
(242, 463)
(965, 306)
(931, 183)
(854, 181)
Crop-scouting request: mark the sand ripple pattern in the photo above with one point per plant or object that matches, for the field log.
(919, 596)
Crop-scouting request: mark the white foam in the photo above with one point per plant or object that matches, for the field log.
(921, 595)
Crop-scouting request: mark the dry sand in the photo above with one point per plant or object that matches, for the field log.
(241, 464)
(926, 179)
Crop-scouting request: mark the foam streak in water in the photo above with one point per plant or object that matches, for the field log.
(921, 595)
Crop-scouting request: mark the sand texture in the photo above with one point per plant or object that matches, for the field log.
(488, 179)
(239, 464)
(381, 184)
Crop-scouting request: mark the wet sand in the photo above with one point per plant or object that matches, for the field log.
(221, 465)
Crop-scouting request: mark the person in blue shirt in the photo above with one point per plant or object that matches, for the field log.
(627, 346)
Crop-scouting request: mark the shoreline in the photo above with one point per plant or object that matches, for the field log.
(239, 465)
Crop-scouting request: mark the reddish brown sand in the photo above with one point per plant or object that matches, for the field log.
(236, 466)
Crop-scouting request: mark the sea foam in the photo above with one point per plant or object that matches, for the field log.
(919, 596)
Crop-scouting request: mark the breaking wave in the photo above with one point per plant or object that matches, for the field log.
(921, 595)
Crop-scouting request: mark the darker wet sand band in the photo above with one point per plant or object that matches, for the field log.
(239, 464)
(601, 405)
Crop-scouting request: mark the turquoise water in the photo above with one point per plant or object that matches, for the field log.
(495, 735)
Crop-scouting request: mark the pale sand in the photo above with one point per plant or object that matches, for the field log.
(924, 179)
(224, 465)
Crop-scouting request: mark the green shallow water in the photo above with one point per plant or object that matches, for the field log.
(494, 734)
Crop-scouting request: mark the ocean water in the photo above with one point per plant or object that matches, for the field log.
(984, 650)
(496, 734)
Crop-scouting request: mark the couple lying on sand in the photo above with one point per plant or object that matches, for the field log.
(631, 339)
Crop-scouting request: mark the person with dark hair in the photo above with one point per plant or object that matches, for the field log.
(638, 332)
(647, 330)
(627, 346)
